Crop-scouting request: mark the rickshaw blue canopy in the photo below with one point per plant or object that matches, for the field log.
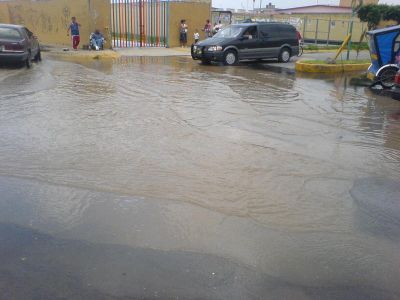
(384, 43)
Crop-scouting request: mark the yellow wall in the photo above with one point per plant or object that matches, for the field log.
(384, 24)
(4, 16)
(49, 20)
(100, 17)
(195, 15)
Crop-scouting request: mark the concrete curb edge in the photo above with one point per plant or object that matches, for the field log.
(327, 68)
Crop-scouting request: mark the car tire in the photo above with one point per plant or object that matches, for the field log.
(28, 61)
(284, 55)
(386, 78)
(230, 58)
(38, 56)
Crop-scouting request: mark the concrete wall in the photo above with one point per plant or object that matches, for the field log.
(50, 19)
(195, 14)
(4, 16)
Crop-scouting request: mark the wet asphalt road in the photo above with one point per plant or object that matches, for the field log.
(159, 178)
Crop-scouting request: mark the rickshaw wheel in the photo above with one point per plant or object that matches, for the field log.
(387, 77)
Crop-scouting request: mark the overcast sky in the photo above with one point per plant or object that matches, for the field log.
(279, 3)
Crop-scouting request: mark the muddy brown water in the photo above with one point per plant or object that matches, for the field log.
(159, 178)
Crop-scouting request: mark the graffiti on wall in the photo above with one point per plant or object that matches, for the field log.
(15, 14)
(49, 19)
(39, 20)
(65, 17)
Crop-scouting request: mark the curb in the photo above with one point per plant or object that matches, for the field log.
(84, 54)
(327, 68)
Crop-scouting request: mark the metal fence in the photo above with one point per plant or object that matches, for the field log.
(139, 23)
(330, 30)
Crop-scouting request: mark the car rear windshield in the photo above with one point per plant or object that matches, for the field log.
(9, 33)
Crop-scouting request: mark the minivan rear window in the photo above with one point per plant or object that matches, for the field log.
(277, 30)
(9, 33)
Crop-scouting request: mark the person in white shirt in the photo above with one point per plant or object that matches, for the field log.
(218, 27)
(183, 29)
(196, 36)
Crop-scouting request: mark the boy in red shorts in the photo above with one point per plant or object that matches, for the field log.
(74, 28)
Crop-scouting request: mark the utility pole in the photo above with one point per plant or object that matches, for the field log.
(355, 6)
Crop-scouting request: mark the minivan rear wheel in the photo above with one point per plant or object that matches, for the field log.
(38, 56)
(284, 55)
(230, 57)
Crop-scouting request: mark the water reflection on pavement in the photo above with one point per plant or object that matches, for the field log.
(162, 178)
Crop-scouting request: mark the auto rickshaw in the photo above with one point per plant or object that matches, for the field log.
(384, 47)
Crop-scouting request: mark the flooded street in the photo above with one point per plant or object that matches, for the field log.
(160, 178)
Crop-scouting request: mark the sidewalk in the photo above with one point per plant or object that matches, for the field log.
(58, 51)
(65, 52)
(153, 51)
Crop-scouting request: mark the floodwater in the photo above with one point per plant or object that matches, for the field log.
(159, 178)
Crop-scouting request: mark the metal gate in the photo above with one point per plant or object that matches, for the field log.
(139, 23)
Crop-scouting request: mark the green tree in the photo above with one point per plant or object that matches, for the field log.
(393, 13)
(371, 14)
(363, 12)
(374, 13)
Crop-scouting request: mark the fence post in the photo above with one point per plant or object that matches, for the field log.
(167, 25)
(141, 25)
(329, 31)
(113, 23)
(351, 35)
(316, 32)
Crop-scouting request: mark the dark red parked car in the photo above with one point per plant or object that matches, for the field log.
(18, 45)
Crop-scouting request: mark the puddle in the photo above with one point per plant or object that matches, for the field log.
(146, 167)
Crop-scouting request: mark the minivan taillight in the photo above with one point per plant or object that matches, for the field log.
(397, 78)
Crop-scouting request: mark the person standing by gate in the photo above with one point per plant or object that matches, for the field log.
(183, 29)
(74, 28)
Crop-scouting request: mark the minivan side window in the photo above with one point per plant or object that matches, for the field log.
(277, 30)
(267, 31)
(251, 32)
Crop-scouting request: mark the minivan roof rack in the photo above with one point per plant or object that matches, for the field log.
(249, 21)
